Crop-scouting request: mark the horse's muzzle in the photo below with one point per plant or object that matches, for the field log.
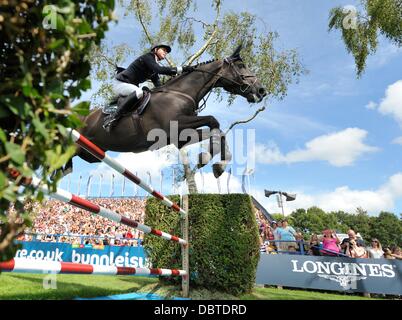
(261, 93)
(257, 95)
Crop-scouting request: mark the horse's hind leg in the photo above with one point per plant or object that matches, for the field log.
(217, 145)
(226, 156)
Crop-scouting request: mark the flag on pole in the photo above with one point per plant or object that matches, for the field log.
(149, 178)
(228, 180)
(79, 185)
(173, 181)
(135, 186)
(124, 186)
(246, 174)
(161, 181)
(149, 181)
(112, 186)
(88, 185)
(100, 185)
(202, 180)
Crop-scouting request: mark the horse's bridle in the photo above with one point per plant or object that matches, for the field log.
(230, 61)
(218, 75)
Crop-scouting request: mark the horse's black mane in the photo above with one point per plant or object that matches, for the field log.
(195, 66)
(205, 62)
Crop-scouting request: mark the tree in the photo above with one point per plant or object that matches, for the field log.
(362, 223)
(178, 23)
(361, 29)
(314, 220)
(44, 67)
(387, 228)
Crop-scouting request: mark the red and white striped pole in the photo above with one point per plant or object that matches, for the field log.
(45, 266)
(76, 201)
(101, 155)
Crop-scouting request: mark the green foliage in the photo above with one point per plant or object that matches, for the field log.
(361, 39)
(224, 245)
(178, 22)
(43, 68)
(386, 226)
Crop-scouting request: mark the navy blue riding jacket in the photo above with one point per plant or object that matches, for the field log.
(144, 68)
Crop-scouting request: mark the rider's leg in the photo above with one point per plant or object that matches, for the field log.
(124, 89)
(128, 94)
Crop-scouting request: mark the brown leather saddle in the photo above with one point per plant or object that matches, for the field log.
(137, 108)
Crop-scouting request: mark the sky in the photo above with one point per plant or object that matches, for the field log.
(335, 141)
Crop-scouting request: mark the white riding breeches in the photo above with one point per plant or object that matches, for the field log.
(124, 89)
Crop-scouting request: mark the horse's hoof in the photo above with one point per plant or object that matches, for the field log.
(218, 169)
(203, 159)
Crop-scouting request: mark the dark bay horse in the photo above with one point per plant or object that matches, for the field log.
(177, 102)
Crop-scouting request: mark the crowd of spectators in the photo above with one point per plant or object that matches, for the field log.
(57, 221)
(279, 237)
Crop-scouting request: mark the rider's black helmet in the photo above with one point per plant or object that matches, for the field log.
(168, 48)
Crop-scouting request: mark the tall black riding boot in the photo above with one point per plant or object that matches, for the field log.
(124, 105)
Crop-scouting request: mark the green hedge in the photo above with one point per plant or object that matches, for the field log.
(224, 244)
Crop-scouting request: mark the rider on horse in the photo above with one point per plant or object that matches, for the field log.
(146, 67)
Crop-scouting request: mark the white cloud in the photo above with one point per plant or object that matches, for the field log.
(371, 105)
(152, 162)
(342, 198)
(391, 104)
(384, 55)
(397, 140)
(340, 149)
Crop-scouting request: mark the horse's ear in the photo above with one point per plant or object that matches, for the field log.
(236, 54)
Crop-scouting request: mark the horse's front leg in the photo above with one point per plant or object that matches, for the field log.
(214, 133)
(217, 141)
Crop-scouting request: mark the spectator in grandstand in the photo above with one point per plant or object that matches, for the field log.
(105, 241)
(274, 229)
(268, 234)
(315, 245)
(375, 251)
(263, 248)
(356, 249)
(330, 243)
(287, 235)
(300, 243)
(396, 252)
(128, 235)
(261, 226)
(388, 253)
(345, 242)
(54, 217)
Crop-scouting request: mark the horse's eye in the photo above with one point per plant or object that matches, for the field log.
(241, 65)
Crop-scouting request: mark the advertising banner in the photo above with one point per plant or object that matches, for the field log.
(124, 256)
(331, 273)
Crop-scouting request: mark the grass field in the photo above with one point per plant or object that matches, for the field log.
(22, 286)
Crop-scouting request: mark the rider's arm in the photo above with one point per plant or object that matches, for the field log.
(156, 80)
(152, 65)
